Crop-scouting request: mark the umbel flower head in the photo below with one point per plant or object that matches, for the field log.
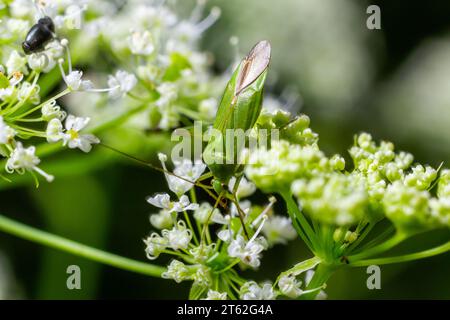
(381, 184)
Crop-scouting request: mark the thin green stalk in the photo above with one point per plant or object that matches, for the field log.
(407, 257)
(308, 234)
(59, 95)
(53, 241)
(188, 221)
(361, 237)
(46, 149)
(376, 240)
(24, 100)
(231, 265)
(385, 246)
(321, 275)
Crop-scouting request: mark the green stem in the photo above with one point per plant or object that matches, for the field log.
(188, 221)
(361, 237)
(407, 257)
(29, 233)
(59, 95)
(376, 240)
(322, 273)
(46, 149)
(385, 246)
(299, 268)
(303, 228)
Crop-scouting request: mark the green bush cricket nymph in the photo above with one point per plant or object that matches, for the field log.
(239, 109)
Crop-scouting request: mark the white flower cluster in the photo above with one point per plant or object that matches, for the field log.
(201, 257)
(22, 114)
(167, 71)
(382, 183)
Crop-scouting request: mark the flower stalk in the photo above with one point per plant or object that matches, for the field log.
(56, 242)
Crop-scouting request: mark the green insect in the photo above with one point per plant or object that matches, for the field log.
(239, 109)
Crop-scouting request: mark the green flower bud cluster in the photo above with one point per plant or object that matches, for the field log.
(295, 130)
(332, 199)
(381, 184)
(275, 169)
(408, 208)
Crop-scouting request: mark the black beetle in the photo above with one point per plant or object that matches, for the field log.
(38, 36)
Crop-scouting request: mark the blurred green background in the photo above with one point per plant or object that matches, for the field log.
(393, 83)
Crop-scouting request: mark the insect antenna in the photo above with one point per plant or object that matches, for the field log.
(156, 168)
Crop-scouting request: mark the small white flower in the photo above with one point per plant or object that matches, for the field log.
(154, 245)
(37, 62)
(161, 220)
(168, 92)
(22, 159)
(18, 27)
(21, 8)
(121, 83)
(16, 78)
(54, 130)
(189, 31)
(216, 295)
(141, 43)
(290, 287)
(249, 252)
(75, 82)
(29, 92)
(206, 211)
(6, 94)
(16, 62)
(245, 189)
(244, 205)
(252, 291)
(51, 110)
(6, 132)
(225, 235)
(178, 237)
(177, 271)
(188, 171)
(72, 137)
(54, 50)
(278, 229)
(202, 276)
(72, 18)
(162, 200)
(203, 252)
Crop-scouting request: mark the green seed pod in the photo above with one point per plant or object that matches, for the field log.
(239, 109)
